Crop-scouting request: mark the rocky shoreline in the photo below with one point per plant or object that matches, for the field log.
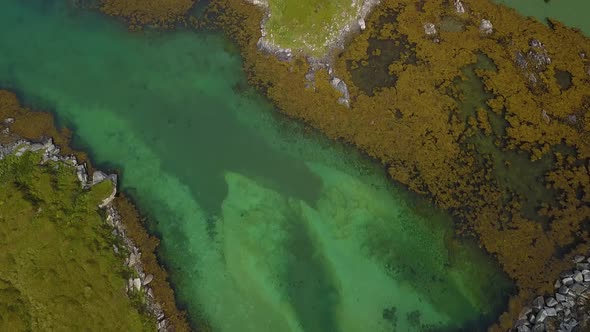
(140, 283)
(567, 310)
(335, 44)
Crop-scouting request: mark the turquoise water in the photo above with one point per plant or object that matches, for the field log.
(264, 225)
(573, 13)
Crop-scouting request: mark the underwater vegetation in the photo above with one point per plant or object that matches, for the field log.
(509, 161)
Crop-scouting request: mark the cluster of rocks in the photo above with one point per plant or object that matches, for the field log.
(52, 153)
(568, 309)
(337, 83)
(485, 26)
(533, 61)
(140, 283)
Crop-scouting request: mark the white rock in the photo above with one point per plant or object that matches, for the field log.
(98, 177)
(132, 260)
(486, 27)
(430, 29)
(459, 8)
(137, 283)
(148, 279)
(109, 199)
(361, 23)
(82, 175)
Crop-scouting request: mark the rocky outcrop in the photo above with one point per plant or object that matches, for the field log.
(533, 62)
(336, 43)
(337, 83)
(486, 27)
(568, 309)
(459, 8)
(341, 87)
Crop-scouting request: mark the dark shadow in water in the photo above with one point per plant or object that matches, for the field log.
(310, 287)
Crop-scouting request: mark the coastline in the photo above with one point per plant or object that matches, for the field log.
(386, 124)
(151, 279)
(339, 125)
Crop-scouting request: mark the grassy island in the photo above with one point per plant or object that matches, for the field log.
(309, 25)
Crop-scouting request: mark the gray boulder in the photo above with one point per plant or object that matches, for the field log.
(538, 303)
(540, 318)
(340, 86)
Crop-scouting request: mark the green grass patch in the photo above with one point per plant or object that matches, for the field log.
(309, 25)
(58, 270)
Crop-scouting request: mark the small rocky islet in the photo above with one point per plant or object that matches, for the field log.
(545, 231)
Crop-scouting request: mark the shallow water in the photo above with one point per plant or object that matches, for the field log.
(264, 225)
(573, 13)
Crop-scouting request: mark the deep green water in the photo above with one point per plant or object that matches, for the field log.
(264, 225)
